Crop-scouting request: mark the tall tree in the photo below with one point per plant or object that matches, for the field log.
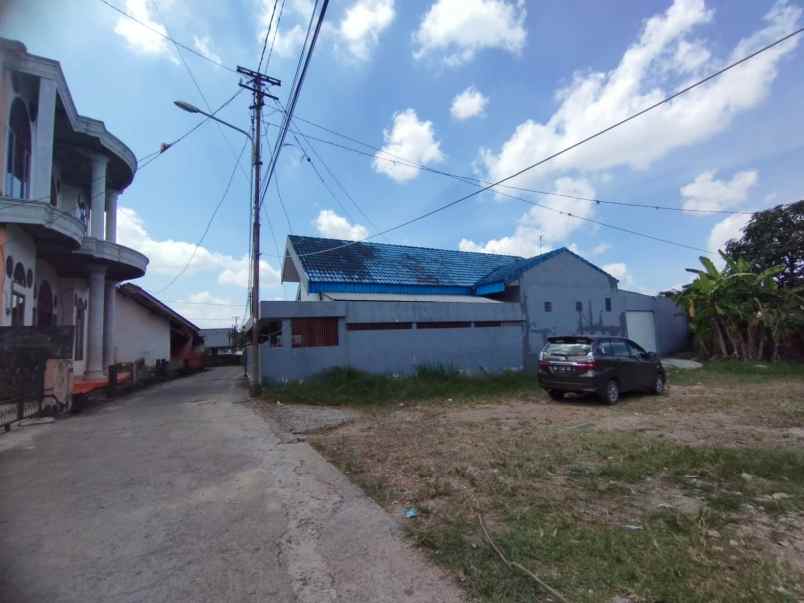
(774, 237)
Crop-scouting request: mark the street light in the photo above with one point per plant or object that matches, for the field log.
(185, 106)
(255, 296)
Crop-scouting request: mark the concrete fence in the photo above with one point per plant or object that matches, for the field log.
(306, 338)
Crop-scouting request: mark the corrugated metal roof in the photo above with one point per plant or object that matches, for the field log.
(392, 297)
(383, 263)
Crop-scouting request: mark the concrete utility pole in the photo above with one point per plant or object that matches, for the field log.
(256, 82)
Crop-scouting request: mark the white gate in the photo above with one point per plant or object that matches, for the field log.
(642, 329)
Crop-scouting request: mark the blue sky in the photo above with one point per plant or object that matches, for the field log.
(475, 87)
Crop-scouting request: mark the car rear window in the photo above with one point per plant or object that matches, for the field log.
(575, 348)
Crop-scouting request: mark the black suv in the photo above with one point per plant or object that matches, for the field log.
(604, 365)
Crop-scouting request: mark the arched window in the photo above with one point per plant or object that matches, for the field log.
(18, 152)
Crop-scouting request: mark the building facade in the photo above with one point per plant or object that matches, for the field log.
(62, 176)
(390, 308)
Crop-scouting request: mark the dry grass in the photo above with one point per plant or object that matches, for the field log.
(693, 496)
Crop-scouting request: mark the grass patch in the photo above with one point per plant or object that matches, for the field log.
(735, 371)
(670, 559)
(347, 386)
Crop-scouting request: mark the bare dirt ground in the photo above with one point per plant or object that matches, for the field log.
(710, 473)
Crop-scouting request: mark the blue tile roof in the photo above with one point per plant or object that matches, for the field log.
(404, 269)
(381, 263)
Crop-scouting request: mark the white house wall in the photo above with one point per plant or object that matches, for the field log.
(139, 333)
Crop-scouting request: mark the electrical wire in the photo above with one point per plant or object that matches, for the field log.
(575, 145)
(294, 95)
(209, 223)
(282, 202)
(167, 37)
(267, 33)
(382, 155)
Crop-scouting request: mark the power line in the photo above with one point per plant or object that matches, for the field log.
(167, 37)
(294, 95)
(378, 153)
(281, 202)
(276, 33)
(267, 33)
(575, 145)
(331, 173)
(209, 223)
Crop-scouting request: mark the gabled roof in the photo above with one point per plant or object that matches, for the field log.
(511, 272)
(385, 264)
(148, 301)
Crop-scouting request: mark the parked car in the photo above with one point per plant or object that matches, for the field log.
(606, 366)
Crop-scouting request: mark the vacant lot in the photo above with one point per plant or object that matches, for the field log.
(697, 495)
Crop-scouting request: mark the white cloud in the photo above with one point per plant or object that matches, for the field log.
(600, 249)
(167, 257)
(460, 28)
(411, 140)
(706, 192)
(330, 224)
(141, 38)
(469, 103)
(206, 310)
(596, 99)
(553, 227)
(724, 231)
(362, 24)
(203, 45)
(618, 270)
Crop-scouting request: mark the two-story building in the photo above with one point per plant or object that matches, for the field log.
(62, 176)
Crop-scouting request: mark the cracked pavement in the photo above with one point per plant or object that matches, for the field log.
(183, 492)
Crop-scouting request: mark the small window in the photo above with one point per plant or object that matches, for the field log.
(548, 306)
(608, 304)
(314, 332)
(579, 306)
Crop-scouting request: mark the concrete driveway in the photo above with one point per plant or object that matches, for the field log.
(182, 492)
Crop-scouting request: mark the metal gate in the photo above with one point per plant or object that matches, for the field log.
(24, 352)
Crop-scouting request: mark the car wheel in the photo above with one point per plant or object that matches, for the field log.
(658, 386)
(611, 394)
(555, 394)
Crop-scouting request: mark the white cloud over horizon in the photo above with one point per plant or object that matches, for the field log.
(210, 311)
(330, 224)
(167, 257)
(411, 140)
(657, 63)
(708, 193)
(469, 103)
(458, 29)
(552, 226)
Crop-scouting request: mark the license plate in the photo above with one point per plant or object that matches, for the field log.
(562, 369)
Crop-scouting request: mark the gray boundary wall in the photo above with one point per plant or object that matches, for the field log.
(672, 329)
(471, 349)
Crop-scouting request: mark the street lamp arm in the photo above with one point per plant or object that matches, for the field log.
(193, 109)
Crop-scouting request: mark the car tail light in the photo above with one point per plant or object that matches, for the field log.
(587, 365)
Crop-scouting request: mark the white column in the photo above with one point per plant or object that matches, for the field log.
(97, 289)
(42, 147)
(111, 216)
(110, 297)
(98, 195)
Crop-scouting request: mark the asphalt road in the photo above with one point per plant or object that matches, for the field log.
(183, 492)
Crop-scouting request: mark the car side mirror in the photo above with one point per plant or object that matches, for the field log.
(649, 356)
